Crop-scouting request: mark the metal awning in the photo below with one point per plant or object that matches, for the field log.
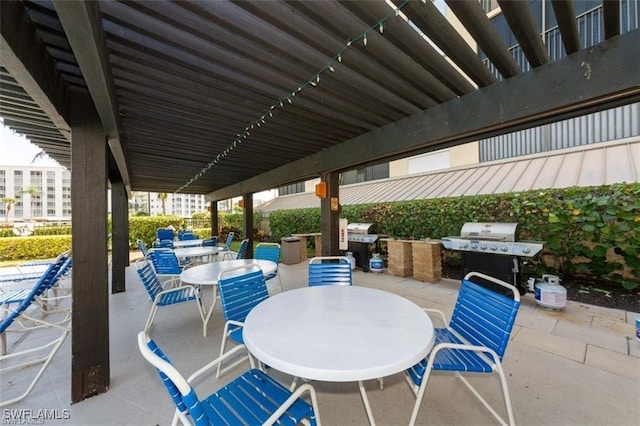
(594, 165)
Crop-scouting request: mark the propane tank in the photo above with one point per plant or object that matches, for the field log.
(549, 294)
(375, 263)
(352, 259)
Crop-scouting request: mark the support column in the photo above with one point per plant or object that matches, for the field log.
(329, 214)
(119, 234)
(247, 224)
(215, 227)
(90, 317)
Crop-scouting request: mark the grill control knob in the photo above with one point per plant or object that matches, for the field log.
(474, 246)
(483, 247)
(526, 250)
(494, 248)
(504, 249)
(464, 245)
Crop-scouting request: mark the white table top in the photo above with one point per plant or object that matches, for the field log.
(200, 251)
(207, 274)
(338, 333)
(187, 243)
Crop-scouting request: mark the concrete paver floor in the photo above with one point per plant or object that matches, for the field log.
(580, 366)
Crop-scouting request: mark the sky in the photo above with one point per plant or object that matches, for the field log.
(15, 150)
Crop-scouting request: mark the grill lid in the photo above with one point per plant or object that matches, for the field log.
(489, 231)
(361, 228)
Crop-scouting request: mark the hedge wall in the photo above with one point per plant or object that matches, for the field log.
(34, 247)
(589, 231)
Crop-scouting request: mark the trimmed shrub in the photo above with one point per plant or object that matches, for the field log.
(33, 247)
(587, 231)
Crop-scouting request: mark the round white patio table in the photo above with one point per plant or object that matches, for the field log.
(201, 251)
(339, 334)
(187, 243)
(207, 274)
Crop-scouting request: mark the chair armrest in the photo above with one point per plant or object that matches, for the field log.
(462, 347)
(438, 313)
(290, 401)
(172, 282)
(210, 366)
(234, 322)
(174, 289)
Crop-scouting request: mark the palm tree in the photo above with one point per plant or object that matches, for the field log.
(8, 202)
(32, 190)
(162, 196)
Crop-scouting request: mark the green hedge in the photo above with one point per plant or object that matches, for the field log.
(587, 231)
(34, 247)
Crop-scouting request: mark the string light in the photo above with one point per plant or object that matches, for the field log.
(313, 82)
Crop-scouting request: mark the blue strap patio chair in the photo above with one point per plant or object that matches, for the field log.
(187, 236)
(474, 341)
(165, 295)
(210, 242)
(253, 398)
(269, 251)
(163, 244)
(329, 270)
(25, 318)
(62, 269)
(143, 248)
(241, 289)
(165, 234)
(242, 250)
(165, 264)
(226, 247)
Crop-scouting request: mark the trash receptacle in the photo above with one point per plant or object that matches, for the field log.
(290, 250)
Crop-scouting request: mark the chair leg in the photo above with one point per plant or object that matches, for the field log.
(150, 318)
(280, 280)
(224, 341)
(505, 392)
(45, 363)
(420, 396)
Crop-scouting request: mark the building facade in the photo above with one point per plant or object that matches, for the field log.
(42, 193)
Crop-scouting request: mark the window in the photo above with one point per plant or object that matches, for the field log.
(294, 188)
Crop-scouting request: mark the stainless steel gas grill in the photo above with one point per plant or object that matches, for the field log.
(360, 236)
(492, 248)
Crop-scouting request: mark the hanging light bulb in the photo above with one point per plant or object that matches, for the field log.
(381, 28)
(364, 39)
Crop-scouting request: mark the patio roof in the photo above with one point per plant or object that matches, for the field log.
(227, 98)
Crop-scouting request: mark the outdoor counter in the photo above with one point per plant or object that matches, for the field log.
(417, 258)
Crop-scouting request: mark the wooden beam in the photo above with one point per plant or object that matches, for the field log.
(82, 24)
(520, 19)
(566, 17)
(434, 25)
(119, 233)
(27, 60)
(596, 79)
(215, 231)
(247, 222)
(611, 17)
(330, 214)
(474, 19)
(90, 334)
